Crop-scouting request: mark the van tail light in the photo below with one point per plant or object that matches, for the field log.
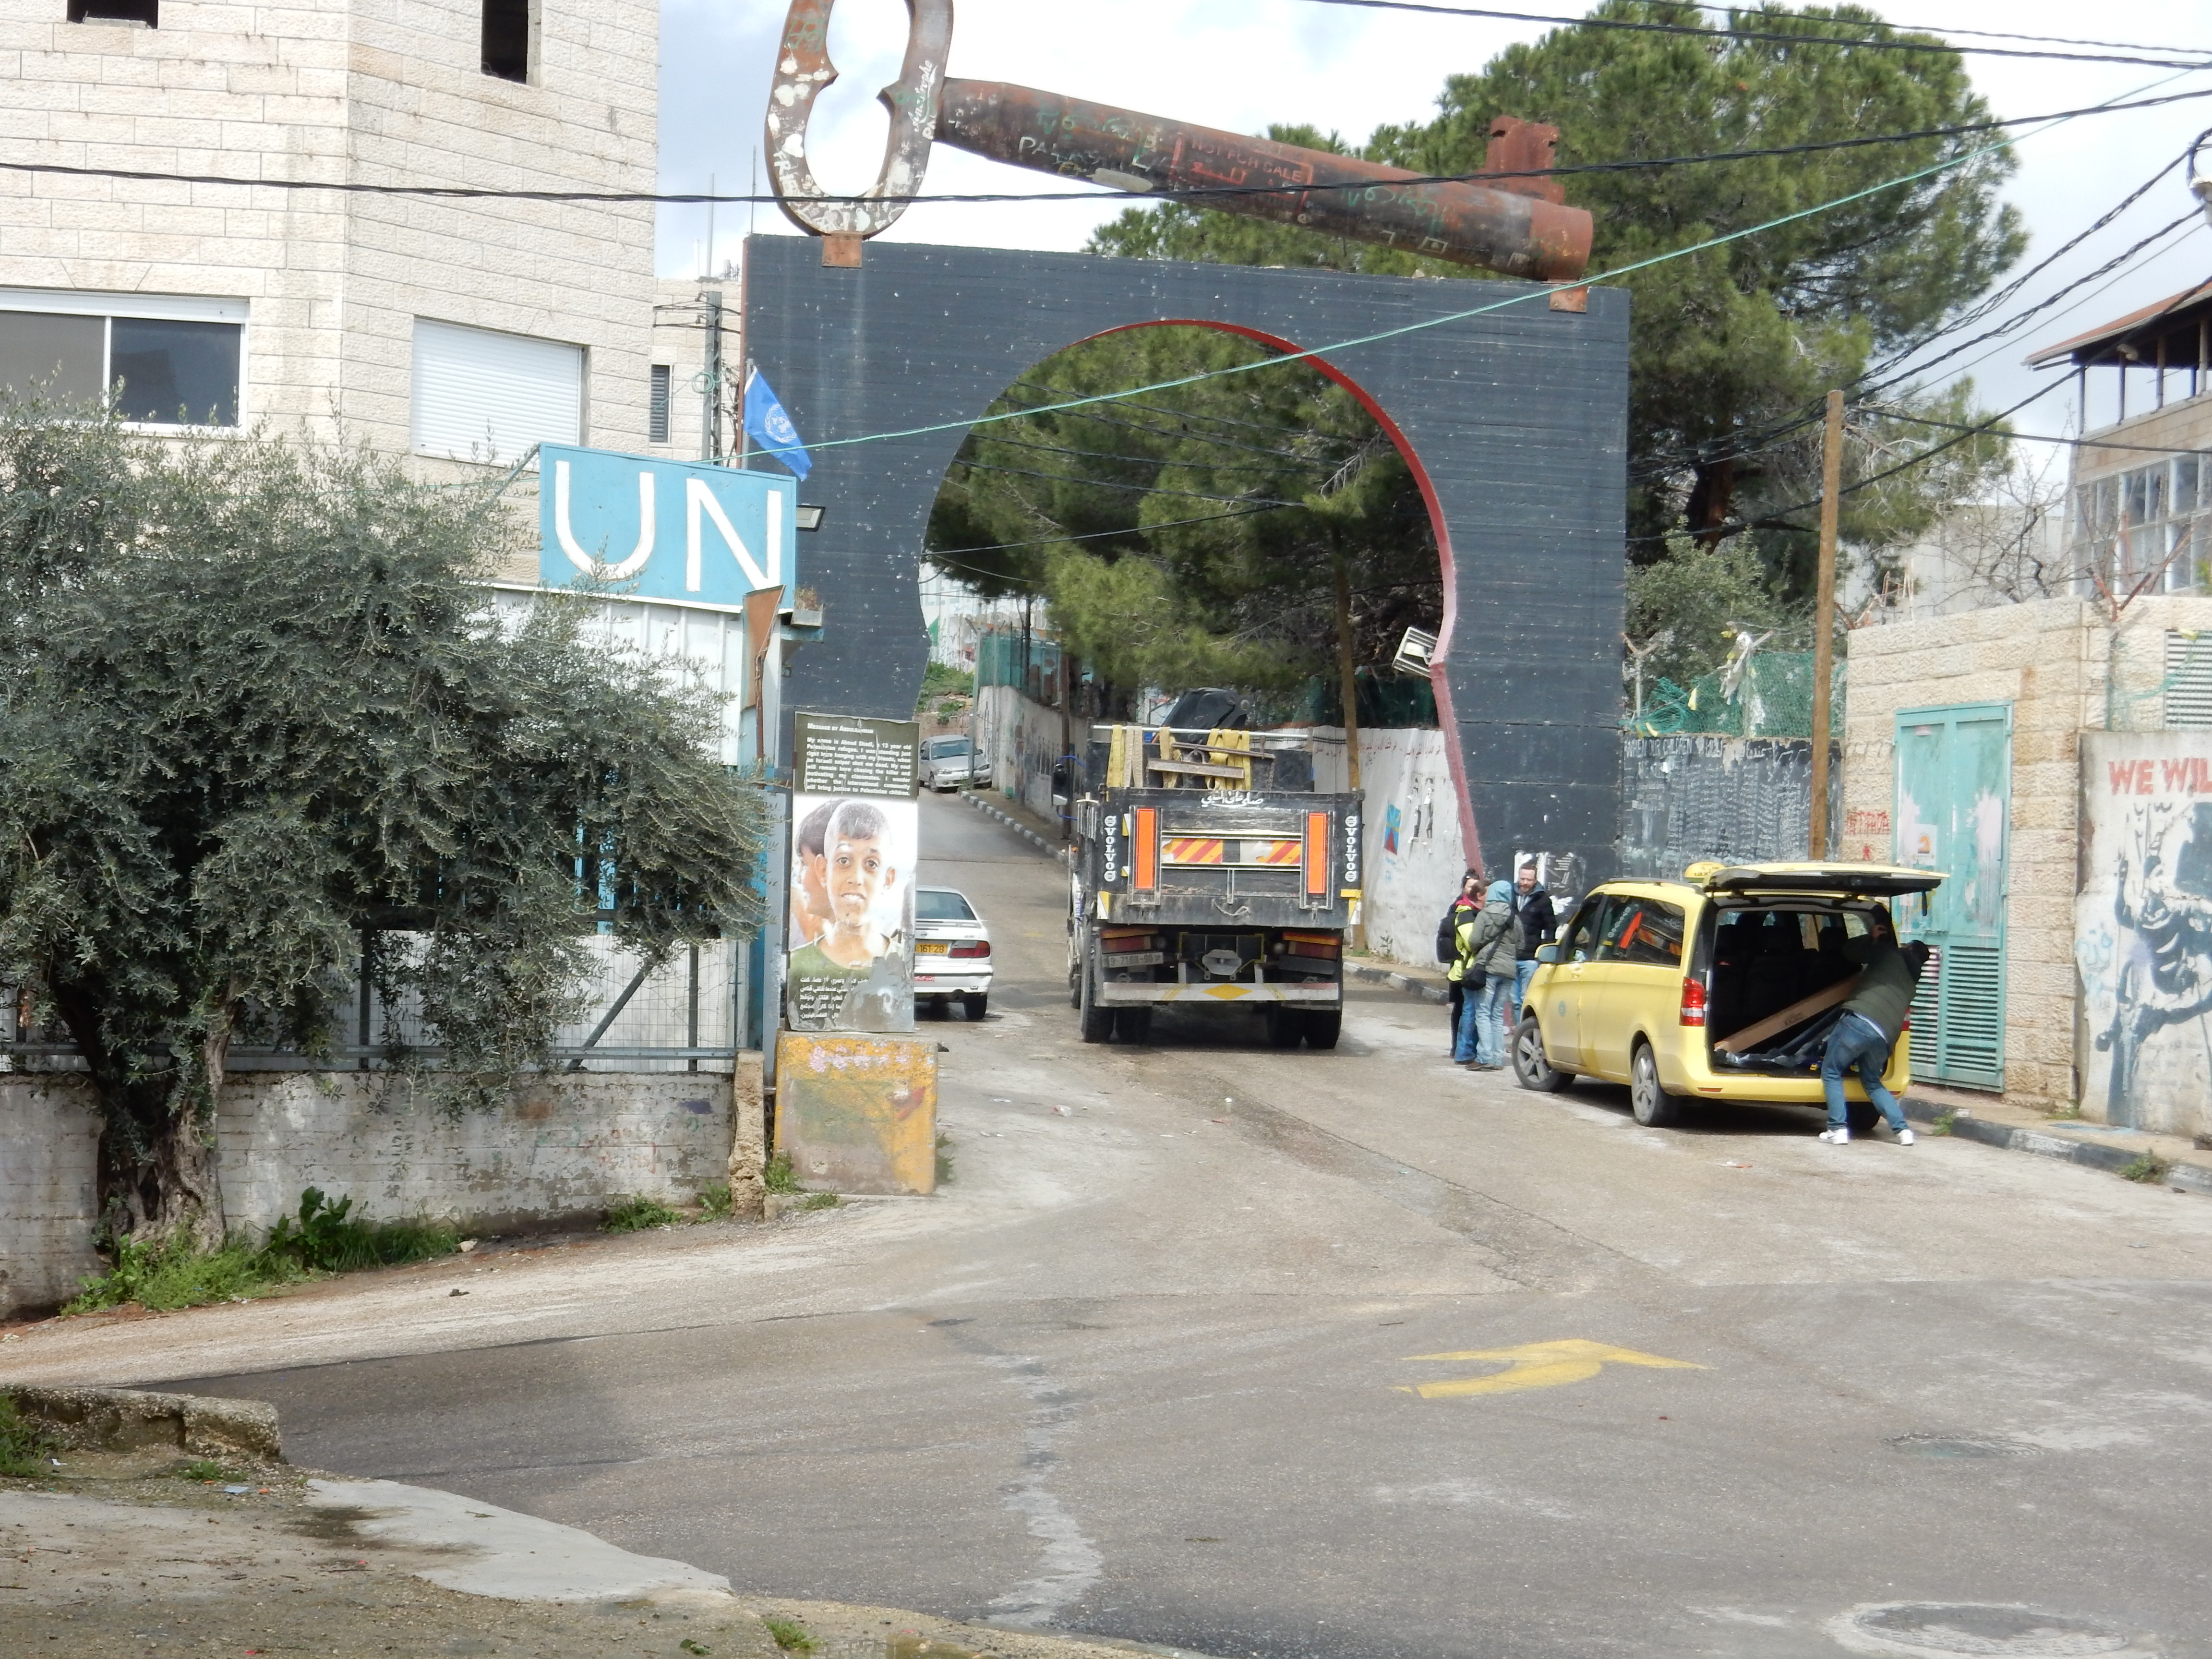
(1693, 1002)
(971, 947)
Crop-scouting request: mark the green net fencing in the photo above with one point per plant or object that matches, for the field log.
(1773, 698)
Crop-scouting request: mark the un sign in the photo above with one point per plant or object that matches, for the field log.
(663, 530)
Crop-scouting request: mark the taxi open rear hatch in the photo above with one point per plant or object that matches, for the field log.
(1853, 880)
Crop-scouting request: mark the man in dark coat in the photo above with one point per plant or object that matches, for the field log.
(1532, 908)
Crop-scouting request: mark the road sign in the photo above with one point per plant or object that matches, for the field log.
(663, 530)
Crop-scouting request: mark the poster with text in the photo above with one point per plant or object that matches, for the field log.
(856, 834)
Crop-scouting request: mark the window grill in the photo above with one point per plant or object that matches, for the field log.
(2188, 678)
(656, 411)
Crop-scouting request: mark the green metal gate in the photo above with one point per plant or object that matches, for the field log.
(1953, 813)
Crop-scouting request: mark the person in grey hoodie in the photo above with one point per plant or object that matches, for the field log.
(1488, 940)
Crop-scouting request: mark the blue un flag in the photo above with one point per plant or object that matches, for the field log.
(771, 428)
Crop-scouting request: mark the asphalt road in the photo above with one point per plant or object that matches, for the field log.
(1150, 1366)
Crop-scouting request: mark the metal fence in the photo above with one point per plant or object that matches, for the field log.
(686, 1015)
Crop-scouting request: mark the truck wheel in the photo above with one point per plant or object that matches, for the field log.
(1134, 1024)
(1532, 1066)
(1285, 1027)
(1097, 1022)
(1323, 1026)
(1655, 1107)
(974, 1002)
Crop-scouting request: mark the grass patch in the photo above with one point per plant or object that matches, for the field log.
(790, 1635)
(168, 1276)
(778, 1176)
(944, 1159)
(24, 1446)
(205, 1468)
(634, 1215)
(1942, 1123)
(329, 1238)
(821, 1202)
(324, 1237)
(2149, 1169)
(715, 1202)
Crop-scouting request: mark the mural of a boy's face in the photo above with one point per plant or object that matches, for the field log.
(858, 870)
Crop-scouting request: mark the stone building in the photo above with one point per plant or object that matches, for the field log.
(454, 329)
(2057, 755)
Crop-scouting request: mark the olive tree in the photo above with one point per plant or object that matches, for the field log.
(255, 701)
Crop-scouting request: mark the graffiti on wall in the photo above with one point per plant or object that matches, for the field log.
(2142, 934)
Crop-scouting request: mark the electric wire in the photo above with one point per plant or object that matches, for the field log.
(1198, 194)
(1424, 324)
(1733, 31)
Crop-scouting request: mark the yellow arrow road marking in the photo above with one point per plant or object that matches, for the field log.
(1540, 1365)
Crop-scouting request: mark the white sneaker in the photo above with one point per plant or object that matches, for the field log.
(1905, 1136)
(1836, 1136)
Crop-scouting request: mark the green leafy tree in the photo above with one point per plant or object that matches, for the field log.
(1197, 535)
(1733, 346)
(254, 701)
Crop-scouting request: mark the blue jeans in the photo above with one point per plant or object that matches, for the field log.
(1482, 1023)
(1522, 973)
(1857, 1044)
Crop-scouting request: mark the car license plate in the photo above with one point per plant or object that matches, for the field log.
(932, 947)
(1135, 958)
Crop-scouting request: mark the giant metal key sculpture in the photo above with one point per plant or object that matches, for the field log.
(1520, 227)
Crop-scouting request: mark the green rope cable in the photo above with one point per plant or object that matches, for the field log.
(2005, 142)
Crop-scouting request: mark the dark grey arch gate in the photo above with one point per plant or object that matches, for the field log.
(1515, 422)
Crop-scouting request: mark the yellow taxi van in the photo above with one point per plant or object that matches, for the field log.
(1689, 990)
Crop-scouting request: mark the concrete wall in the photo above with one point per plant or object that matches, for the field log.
(562, 1149)
(2143, 930)
(48, 1207)
(1415, 853)
(1023, 739)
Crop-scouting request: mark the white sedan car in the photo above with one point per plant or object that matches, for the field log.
(951, 763)
(951, 951)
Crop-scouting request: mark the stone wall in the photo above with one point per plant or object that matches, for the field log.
(2054, 662)
(561, 1150)
(347, 91)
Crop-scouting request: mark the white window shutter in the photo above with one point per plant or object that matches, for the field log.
(480, 395)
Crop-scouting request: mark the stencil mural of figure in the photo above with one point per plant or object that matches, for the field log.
(2162, 971)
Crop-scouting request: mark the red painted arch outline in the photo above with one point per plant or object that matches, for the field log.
(1470, 836)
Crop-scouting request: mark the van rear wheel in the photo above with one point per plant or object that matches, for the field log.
(1655, 1107)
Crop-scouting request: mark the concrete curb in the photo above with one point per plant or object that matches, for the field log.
(1406, 982)
(127, 1419)
(1017, 826)
(2040, 1144)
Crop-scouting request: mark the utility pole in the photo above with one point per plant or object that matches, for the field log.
(1824, 618)
(710, 400)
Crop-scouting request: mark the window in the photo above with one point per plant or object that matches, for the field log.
(1596, 918)
(935, 904)
(2137, 531)
(145, 12)
(480, 395)
(656, 406)
(166, 360)
(1647, 931)
(941, 747)
(510, 33)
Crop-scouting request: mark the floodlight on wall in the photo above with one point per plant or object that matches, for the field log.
(810, 518)
(1415, 652)
(2200, 182)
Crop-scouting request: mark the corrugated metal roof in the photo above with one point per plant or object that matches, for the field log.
(2185, 306)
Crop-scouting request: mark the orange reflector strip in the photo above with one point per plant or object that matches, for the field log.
(1190, 849)
(1271, 852)
(1145, 850)
(1316, 853)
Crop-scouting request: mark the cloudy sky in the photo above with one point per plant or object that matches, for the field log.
(1240, 64)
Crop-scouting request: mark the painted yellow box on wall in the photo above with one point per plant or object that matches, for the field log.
(857, 1113)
